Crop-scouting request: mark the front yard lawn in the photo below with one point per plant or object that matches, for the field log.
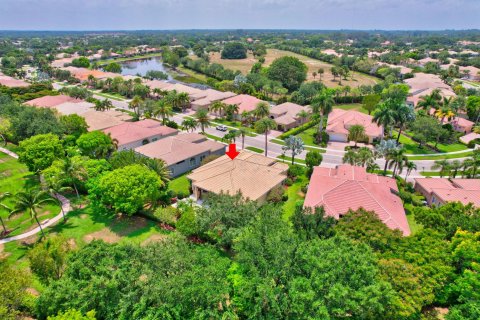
(295, 195)
(253, 149)
(180, 185)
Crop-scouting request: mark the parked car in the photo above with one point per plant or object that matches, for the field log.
(221, 128)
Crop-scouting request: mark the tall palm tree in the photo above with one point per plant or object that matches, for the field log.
(57, 186)
(218, 107)
(183, 100)
(262, 110)
(264, 126)
(242, 132)
(397, 160)
(160, 168)
(202, 119)
(384, 116)
(356, 133)
(189, 124)
(403, 114)
(322, 105)
(443, 165)
(135, 105)
(410, 167)
(163, 110)
(3, 196)
(303, 115)
(29, 201)
(455, 165)
(231, 109)
(430, 101)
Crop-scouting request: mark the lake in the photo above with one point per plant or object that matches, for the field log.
(141, 66)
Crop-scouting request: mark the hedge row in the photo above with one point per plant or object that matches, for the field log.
(298, 130)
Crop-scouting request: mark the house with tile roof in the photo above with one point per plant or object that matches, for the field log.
(130, 135)
(51, 101)
(182, 153)
(339, 122)
(347, 187)
(10, 82)
(286, 115)
(244, 102)
(205, 98)
(422, 84)
(250, 174)
(439, 191)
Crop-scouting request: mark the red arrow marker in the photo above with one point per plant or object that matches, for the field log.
(232, 151)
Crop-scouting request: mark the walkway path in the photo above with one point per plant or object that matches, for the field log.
(65, 206)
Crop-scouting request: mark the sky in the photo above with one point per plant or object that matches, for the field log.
(239, 14)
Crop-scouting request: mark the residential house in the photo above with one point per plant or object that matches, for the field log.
(204, 99)
(439, 191)
(245, 103)
(10, 82)
(251, 174)
(82, 74)
(130, 135)
(422, 84)
(463, 125)
(347, 187)
(339, 122)
(286, 115)
(182, 153)
(51, 101)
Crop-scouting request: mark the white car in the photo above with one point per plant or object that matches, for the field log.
(221, 128)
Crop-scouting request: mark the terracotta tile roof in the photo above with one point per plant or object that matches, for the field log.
(51, 101)
(12, 82)
(206, 97)
(339, 121)
(99, 120)
(82, 74)
(450, 190)
(129, 132)
(469, 137)
(348, 187)
(179, 148)
(423, 84)
(251, 174)
(244, 102)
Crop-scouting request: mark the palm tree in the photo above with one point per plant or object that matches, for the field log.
(264, 126)
(403, 114)
(189, 124)
(262, 110)
(163, 110)
(443, 165)
(183, 100)
(303, 115)
(242, 132)
(231, 109)
(135, 105)
(322, 105)
(356, 133)
(397, 161)
(3, 196)
(430, 101)
(202, 119)
(29, 201)
(384, 116)
(350, 157)
(74, 172)
(455, 165)
(410, 167)
(218, 107)
(57, 186)
(159, 167)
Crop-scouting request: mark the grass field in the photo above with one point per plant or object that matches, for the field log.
(412, 147)
(14, 177)
(295, 195)
(253, 149)
(288, 159)
(180, 184)
(351, 106)
(244, 66)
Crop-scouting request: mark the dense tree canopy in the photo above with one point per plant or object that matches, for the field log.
(39, 152)
(234, 50)
(289, 71)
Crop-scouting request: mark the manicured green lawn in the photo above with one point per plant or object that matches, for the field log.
(288, 159)
(14, 178)
(414, 226)
(235, 124)
(442, 156)
(309, 148)
(295, 195)
(412, 147)
(180, 185)
(257, 150)
(113, 96)
(308, 136)
(351, 106)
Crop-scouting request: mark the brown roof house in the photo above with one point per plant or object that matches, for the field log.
(347, 187)
(244, 102)
(182, 153)
(286, 115)
(439, 191)
(340, 121)
(253, 175)
(135, 134)
(205, 98)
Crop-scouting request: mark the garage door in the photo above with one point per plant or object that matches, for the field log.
(338, 137)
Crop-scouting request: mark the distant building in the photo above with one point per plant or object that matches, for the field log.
(347, 187)
(182, 153)
(340, 121)
(443, 190)
(286, 115)
(135, 134)
(204, 99)
(244, 102)
(253, 175)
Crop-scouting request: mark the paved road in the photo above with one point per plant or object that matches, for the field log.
(65, 206)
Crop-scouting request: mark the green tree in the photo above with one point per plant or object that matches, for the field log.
(312, 159)
(30, 201)
(443, 166)
(3, 197)
(5, 130)
(384, 116)
(289, 71)
(264, 126)
(295, 145)
(262, 110)
(136, 105)
(203, 119)
(189, 124)
(163, 110)
(39, 152)
(113, 67)
(81, 62)
(322, 105)
(15, 301)
(95, 144)
(72, 314)
(126, 190)
(234, 50)
(74, 124)
(356, 133)
(370, 102)
(48, 258)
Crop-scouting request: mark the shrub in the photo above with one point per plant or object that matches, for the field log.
(295, 171)
(276, 194)
(288, 182)
(187, 223)
(234, 50)
(406, 197)
(167, 215)
(182, 195)
(298, 129)
(171, 124)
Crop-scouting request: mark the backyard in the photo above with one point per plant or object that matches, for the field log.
(14, 178)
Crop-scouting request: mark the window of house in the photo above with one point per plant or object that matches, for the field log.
(193, 162)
